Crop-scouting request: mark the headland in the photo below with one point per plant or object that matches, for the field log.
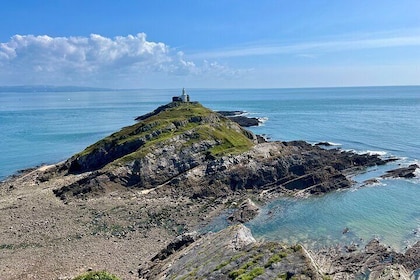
(123, 201)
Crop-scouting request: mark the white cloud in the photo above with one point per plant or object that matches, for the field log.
(362, 42)
(94, 60)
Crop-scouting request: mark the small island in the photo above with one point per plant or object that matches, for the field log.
(144, 194)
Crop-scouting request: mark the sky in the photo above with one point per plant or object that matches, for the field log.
(210, 44)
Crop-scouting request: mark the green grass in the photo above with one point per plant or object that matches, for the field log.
(234, 274)
(175, 119)
(19, 246)
(275, 258)
(96, 275)
(232, 141)
(252, 274)
(225, 263)
(244, 272)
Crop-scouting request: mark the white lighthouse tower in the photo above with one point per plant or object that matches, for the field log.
(185, 97)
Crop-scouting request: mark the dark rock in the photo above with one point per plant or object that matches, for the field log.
(370, 181)
(326, 144)
(374, 260)
(183, 162)
(403, 172)
(176, 245)
(351, 248)
(412, 257)
(245, 121)
(241, 120)
(230, 113)
(245, 212)
(261, 139)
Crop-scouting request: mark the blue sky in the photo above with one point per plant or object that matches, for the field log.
(210, 44)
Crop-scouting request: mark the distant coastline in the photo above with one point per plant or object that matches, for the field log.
(47, 88)
(70, 88)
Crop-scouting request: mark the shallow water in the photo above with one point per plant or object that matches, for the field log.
(388, 211)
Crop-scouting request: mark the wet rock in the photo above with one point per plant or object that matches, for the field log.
(230, 113)
(371, 182)
(326, 144)
(375, 261)
(245, 212)
(245, 121)
(351, 248)
(403, 172)
(241, 120)
(412, 257)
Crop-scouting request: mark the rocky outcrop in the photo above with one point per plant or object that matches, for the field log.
(375, 261)
(237, 117)
(245, 121)
(271, 168)
(324, 143)
(186, 149)
(232, 253)
(179, 243)
(403, 172)
(189, 153)
(176, 170)
(245, 212)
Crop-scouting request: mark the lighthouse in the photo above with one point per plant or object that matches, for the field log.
(185, 97)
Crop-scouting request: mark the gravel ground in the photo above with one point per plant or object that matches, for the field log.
(42, 237)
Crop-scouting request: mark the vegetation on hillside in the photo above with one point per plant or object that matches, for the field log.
(96, 275)
(191, 121)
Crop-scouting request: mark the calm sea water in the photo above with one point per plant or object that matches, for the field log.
(49, 127)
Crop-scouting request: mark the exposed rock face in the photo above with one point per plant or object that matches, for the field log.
(241, 120)
(273, 167)
(173, 172)
(230, 254)
(245, 121)
(403, 172)
(189, 150)
(245, 212)
(179, 243)
(325, 144)
(374, 262)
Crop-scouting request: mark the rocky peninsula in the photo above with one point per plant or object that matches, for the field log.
(123, 201)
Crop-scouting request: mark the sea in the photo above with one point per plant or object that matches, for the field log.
(48, 127)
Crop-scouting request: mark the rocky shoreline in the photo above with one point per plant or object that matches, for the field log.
(237, 116)
(221, 254)
(117, 203)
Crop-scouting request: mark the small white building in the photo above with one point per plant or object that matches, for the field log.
(183, 98)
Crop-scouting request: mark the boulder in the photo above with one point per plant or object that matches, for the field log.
(245, 212)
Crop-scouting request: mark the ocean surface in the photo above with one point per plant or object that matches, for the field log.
(48, 127)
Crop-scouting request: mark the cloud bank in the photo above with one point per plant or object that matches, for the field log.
(120, 62)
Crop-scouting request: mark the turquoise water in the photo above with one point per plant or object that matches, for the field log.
(47, 127)
(389, 211)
